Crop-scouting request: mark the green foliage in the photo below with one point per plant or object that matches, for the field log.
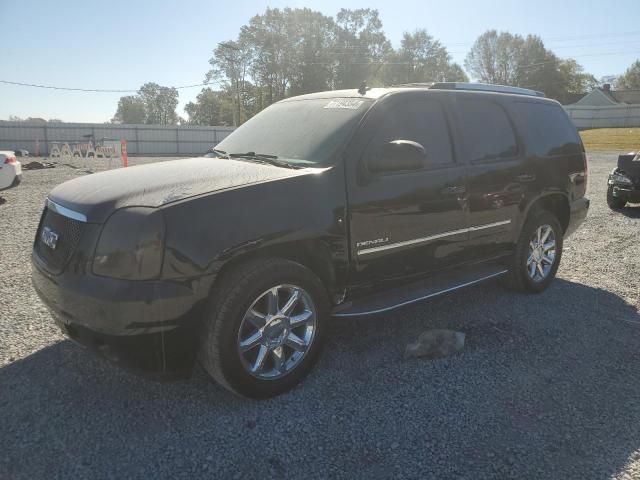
(507, 59)
(285, 52)
(421, 59)
(210, 108)
(153, 104)
(630, 80)
(159, 104)
(130, 110)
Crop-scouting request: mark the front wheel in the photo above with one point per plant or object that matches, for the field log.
(536, 257)
(265, 327)
(615, 203)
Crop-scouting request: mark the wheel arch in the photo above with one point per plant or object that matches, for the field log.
(314, 254)
(554, 202)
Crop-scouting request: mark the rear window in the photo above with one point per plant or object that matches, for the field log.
(486, 130)
(547, 129)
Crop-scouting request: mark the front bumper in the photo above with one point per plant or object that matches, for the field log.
(16, 181)
(149, 327)
(630, 193)
(578, 212)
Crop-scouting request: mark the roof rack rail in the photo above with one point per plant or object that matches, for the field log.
(416, 85)
(484, 87)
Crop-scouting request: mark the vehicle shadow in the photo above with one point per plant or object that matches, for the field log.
(631, 211)
(547, 388)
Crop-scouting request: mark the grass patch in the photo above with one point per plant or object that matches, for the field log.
(612, 139)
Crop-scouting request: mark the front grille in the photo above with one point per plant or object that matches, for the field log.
(69, 232)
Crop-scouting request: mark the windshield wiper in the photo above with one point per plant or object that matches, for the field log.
(263, 158)
(219, 153)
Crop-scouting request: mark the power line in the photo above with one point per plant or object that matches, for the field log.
(596, 36)
(216, 82)
(99, 90)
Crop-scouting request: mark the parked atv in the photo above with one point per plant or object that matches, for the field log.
(624, 181)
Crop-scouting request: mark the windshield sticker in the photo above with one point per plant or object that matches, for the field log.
(348, 103)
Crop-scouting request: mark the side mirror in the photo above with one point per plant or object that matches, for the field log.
(397, 156)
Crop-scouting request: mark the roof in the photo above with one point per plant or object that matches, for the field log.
(375, 93)
(631, 97)
(572, 98)
(599, 97)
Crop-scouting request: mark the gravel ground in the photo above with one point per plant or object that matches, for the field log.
(547, 386)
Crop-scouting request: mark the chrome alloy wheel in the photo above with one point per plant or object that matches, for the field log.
(277, 331)
(542, 253)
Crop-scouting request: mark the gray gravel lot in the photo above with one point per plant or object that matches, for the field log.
(547, 387)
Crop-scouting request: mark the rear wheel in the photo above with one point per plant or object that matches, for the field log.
(265, 327)
(536, 258)
(615, 203)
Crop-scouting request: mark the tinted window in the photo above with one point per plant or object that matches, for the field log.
(421, 121)
(486, 130)
(547, 129)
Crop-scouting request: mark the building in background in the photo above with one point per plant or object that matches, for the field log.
(606, 108)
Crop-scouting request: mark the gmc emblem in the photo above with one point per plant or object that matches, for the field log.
(49, 238)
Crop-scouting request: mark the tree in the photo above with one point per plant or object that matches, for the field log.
(630, 80)
(159, 104)
(231, 61)
(495, 58)
(421, 58)
(210, 108)
(361, 47)
(507, 59)
(130, 110)
(575, 79)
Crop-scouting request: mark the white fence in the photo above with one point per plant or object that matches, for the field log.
(616, 116)
(141, 139)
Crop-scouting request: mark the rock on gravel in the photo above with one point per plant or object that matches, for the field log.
(435, 344)
(548, 386)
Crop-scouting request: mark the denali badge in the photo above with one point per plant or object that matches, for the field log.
(368, 243)
(49, 238)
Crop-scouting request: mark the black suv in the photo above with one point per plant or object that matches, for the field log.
(342, 203)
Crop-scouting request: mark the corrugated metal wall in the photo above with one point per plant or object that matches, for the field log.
(141, 139)
(588, 116)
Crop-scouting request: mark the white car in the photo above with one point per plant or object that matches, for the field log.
(10, 170)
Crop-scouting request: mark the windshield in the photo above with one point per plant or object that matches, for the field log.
(302, 132)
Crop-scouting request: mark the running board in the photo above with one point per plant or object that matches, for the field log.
(415, 292)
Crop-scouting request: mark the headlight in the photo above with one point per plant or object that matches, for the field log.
(620, 179)
(131, 245)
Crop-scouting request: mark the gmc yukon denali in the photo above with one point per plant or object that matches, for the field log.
(342, 203)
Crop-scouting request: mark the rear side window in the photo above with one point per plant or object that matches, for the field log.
(486, 130)
(421, 121)
(547, 129)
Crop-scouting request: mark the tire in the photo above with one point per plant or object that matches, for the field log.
(615, 203)
(519, 277)
(229, 328)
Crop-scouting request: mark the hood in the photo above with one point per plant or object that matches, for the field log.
(156, 184)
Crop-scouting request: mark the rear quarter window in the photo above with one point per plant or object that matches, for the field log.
(547, 129)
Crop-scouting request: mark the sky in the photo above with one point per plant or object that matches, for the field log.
(120, 44)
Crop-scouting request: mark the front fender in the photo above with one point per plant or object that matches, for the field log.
(206, 233)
